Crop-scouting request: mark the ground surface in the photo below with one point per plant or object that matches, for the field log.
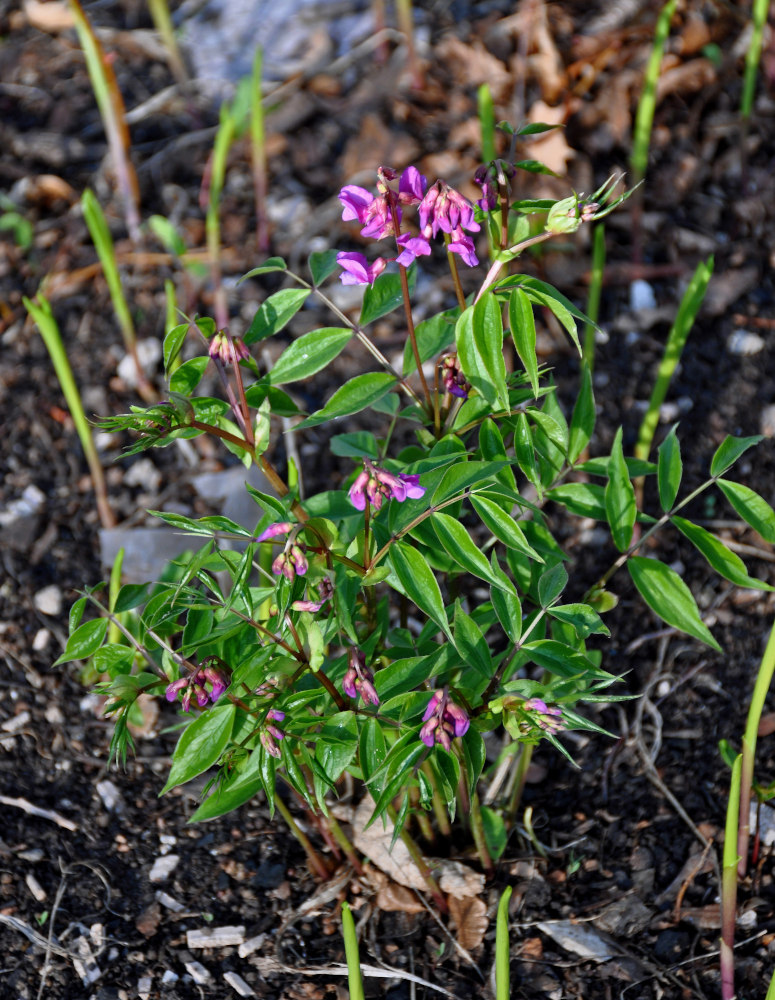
(620, 859)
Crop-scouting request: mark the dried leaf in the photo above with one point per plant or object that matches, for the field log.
(396, 898)
(457, 879)
(470, 916)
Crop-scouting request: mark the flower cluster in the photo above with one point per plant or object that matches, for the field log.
(455, 382)
(443, 720)
(440, 209)
(292, 561)
(270, 733)
(228, 350)
(325, 593)
(359, 680)
(204, 685)
(373, 485)
(546, 717)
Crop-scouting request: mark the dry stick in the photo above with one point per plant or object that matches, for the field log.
(33, 810)
(315, 861)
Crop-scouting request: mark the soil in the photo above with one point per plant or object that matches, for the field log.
(617, 854)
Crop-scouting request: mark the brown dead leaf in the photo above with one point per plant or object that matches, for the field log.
(376, 144)
(532, 950)
(545, 63)
(148, 921)
(474, 65)
(52, 17)
(704, 917)
(470, 916)
(45, 189)
(551, 148)
(457, 879)
(767, 724)
(395, 898)
(688, 78)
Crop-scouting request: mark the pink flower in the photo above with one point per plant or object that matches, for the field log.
(443, 208)
(358, 490)
(280, 528)
(357, 270)
(356, 201)
(204, 685)
(464, 246)
(373, 485)
(453, 378)
(443, 721)
(411, 187)
(359, 680)
(413, 246)
(547, 717)
(484, 178)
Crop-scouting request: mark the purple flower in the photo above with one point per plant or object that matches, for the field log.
(379, 218)
(443, 208)
(411, 187)
(413, 246)
(280, 528)
(356, 201)
(453, 378)
(357, 270)
(228, 350)
(483, 177)
(464, 246)
(546, 717)
(206, 684)
(359, 680)
(374, 485)
(443, 721)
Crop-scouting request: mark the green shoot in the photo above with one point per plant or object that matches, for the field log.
(160, 13)
(487, 122)
(258, 150)
(103, 244)
(43, 316)
(595, 290)
(114, 632)
(111, 107)
(502, 976)
(648, 98)
(676, 341)
(762, 686)
(223, 140)
(771, 990)
(354, 979)
(729, 885)
(753, 55)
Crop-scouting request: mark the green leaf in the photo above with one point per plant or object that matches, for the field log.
(534, 128)
(76, 614)
(479, 336)
(201, 744)
(585, 620)
(275, 312)
(173, 341)
(725, 563)
(321, 265)
(472, 646)
(385, 295)
(231, 795)
(620, 503)
(461, 475)
(524, 451)
(432, 336)
(599, 467)
(552, 428)
(372, 749)
(583, 499)
(270, 264)
(84, 641)
(358, 444)
(474, 755)
(309, 354)
(523, 333)
(459, 544)
(535, 167)
(728, 452)
(668, 597)
(551, 584)
(507, 607)
(186, 378)
(419, 584)
(582, 422)
(669, 469)
(113, 659)
(503, 526)
(495, 833)
(544, 294)
(354, 396)
(753, 509)
(561, 659)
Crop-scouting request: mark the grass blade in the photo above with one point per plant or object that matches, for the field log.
(648, 98)
(502, 977)
(354, 978)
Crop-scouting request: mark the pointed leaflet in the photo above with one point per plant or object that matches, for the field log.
(753, 509)
(419, 584)
(619, 497)
(309, 354)
(725, 563)
(459, 544)
(479, 335)
(322, 264)
(668, 597)
(352, 397)
(582, 422)
(523, 333)
(84, 641)
(728, 452)
(201, 744)
(503, 526)
(274, 313)
(385, 295)
(669, 470)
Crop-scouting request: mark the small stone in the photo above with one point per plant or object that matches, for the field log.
(164, 867)
(169, 902)
(49, 600)
(16, 722)
(216, 937)
(198, 973)
(19, 519)
(148, 921)
(144, 986)
(33, 854)
(742, 342)
(143, 473)
(642, 296)
(148, 354)
(238, 984)
(251, 945)
(85, 964)
(35, 888)
(767, 421)
(54, 715)
(169, 977)
(41, 640)
(111, 796)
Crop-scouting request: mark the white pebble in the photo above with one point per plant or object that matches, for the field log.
(238, 984)
(198, 973)
(41, 640)
(767, 421)
(744, 343)
(170, 977)
(164, 867)
(49, 600)
(216, 937)
(642, 296)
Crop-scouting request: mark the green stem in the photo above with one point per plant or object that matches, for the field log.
(477, 829)
(316, 863)
(345, 844)
(439, 806)
(729, 885)
(413, 336)
(422, 865)
(595, 290)
(520, 777)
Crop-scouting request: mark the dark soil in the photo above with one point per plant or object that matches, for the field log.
(614, 841)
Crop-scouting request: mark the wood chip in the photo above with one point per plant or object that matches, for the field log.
(198, 973)
(238, 984)
(251, 945)
(216, 937)
(35, 888)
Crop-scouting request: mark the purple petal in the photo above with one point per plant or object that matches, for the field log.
(280, 528)
(411, 187)
(356, 201)
(412, 483)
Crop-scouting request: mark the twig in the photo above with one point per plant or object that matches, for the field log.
(32, 810)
